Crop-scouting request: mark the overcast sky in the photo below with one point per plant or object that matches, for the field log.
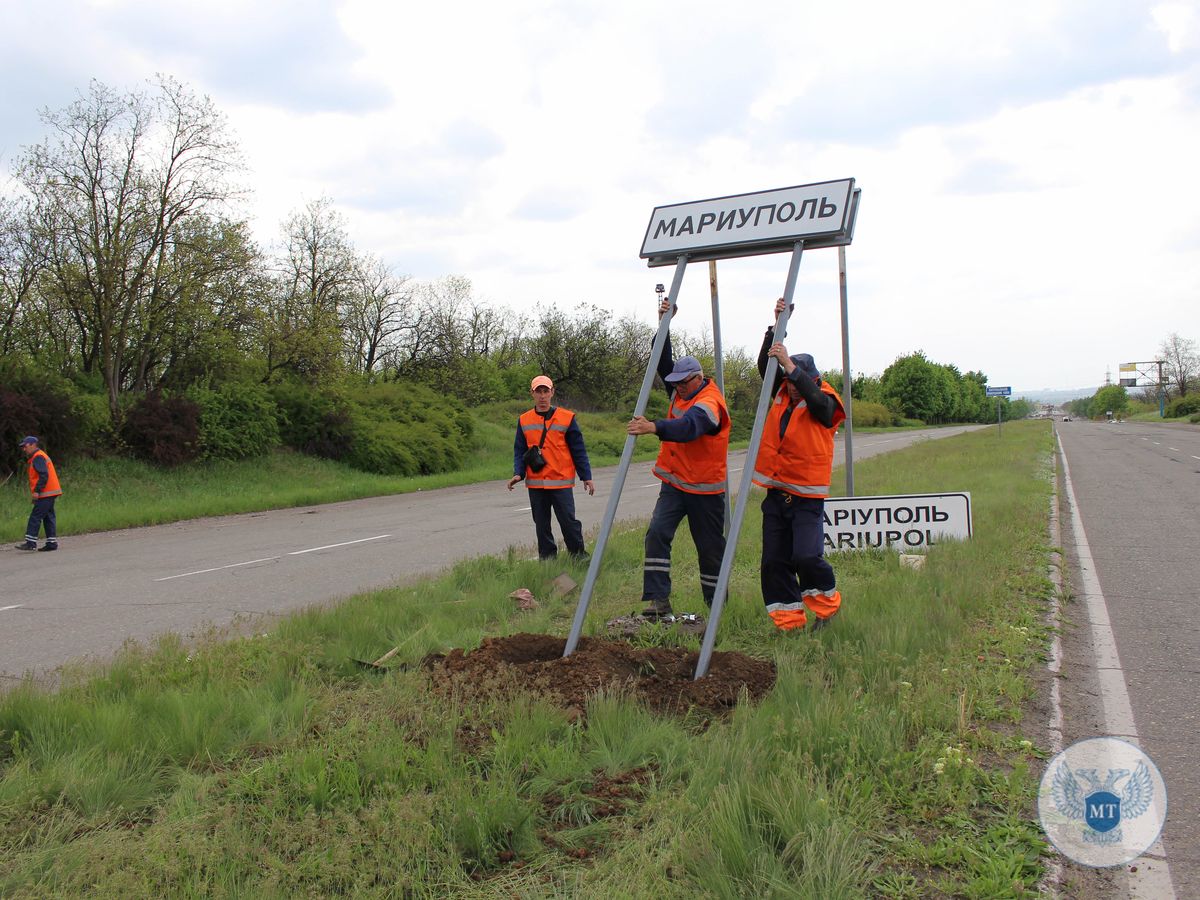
(1030, 171)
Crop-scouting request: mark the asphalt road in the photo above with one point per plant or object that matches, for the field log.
(102, 589)
(1137, 486)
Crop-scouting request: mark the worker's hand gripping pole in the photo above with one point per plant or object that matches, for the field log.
(735, 527)
(589, 583)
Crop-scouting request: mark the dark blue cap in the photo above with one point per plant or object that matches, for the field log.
(805, 364)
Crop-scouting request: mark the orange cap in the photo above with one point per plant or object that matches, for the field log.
(541, 381)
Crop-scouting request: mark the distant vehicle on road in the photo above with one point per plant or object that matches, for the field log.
(1066, 418)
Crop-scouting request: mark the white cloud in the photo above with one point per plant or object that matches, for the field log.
(1026, 168)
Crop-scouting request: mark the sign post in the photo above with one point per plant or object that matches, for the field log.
(791, 220)
(1131, 372)
(998, 392)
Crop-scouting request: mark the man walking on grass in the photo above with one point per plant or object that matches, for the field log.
(43, 484)
(547, 454)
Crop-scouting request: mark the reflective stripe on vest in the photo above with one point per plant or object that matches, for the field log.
(689, 486)
(804, 490)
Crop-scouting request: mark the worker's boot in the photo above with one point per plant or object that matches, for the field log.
(658, 610)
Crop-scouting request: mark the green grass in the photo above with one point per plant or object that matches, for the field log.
(889, 760)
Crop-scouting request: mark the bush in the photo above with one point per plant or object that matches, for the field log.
(1183, 406)
(869, 414)
(163, 430)
(407, 429)
(236, 420)
(95, 429)
(18, 417)
(313, 422)
(38, 403)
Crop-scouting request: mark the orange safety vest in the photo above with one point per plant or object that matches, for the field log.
(52, 487)
(560, 465)
(699, 466)
(802, 460)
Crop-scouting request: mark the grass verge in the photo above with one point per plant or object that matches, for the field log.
(889, 760)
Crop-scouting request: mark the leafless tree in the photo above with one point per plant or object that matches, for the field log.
(377, 315)
(318, 273)
(1182, 362)
(113, 189)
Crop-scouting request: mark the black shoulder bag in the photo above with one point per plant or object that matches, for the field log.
(534, 460)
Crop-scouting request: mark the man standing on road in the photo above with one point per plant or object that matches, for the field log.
(43, 485)
(693, 469)
(795, 462)
(547, 454)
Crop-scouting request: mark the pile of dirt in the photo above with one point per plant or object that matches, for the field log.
(661, 676)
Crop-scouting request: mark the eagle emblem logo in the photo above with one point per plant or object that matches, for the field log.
(1102, 805)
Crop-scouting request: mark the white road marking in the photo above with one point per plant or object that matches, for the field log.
(1196, 457)
(377, 537)
(14, 606)
(218, 568)
(1176, 449)
(1157, 443)
(1146, 881)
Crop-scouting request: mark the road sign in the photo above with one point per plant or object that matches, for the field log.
(897, 520)
(998, 391)
(821, 215)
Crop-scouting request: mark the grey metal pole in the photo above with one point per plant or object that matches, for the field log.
(720, 359)
(589, 583)
(847, 401)
(764, 399)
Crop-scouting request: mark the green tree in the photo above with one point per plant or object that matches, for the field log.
(1110, 398)
(916, 387)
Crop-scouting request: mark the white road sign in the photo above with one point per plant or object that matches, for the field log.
(902, 521)
(820, 214)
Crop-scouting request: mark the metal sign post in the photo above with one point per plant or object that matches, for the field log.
(847, 401)
(997, 392)
(764, 401)
(610, 513)
(720, 360)
(785, 220)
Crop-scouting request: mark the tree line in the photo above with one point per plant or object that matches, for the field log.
(129, 275)
(1177, 394)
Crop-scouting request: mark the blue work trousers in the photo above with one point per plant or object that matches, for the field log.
(562, 502)
(42, 514)
(706, 519)
(793, 548)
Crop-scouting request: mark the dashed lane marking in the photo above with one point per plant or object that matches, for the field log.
(218, 568)
(14, 606)
(378, 537)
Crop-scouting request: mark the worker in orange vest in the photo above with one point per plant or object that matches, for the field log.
(693, 470)
(794, 464)
(548, 454)
(44, 487)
